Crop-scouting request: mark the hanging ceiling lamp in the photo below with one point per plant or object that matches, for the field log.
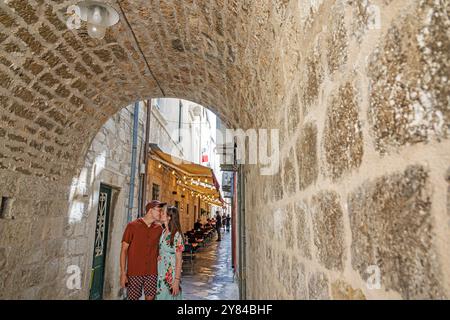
(98, 16)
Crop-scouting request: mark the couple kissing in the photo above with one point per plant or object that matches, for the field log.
(152, 254)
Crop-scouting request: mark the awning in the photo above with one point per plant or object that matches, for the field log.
(194, 177)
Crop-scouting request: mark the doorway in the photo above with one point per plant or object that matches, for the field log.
(100, 244)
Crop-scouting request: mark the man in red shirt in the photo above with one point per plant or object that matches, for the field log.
(140, 246)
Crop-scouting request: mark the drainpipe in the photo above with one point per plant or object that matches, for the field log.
(146, 157)
(133, 160)
(235, 223)
(140, 175)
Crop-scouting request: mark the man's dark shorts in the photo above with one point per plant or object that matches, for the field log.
(137, 283)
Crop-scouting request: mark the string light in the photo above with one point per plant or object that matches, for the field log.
(209, 199)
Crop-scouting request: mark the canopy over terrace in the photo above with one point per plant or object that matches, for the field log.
(195, 178)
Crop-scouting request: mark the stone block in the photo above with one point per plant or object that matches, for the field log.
(6, 283)
(328, 229)
(342, 137)
(275, 189)
(80, 228)
(307, 159)
(288, 228)
(9, 184)
(49, 291)
(302, 229)
(337, 40)
(14, 257)
(17, 233)
(36, 275)
(69, 230)
(22, 209)
(55, 248)
(31, 293)
(289, 174)
(51, 270)
(313, 79)
(293, 115)
(77, 246)
(33, 255)
(52, 228)
(284, 271)
(318, 286)
(392, 228)
(299, 287)
(343, 291)
(409, 80)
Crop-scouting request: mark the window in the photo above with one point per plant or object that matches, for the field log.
(155, 192)
(187, 209)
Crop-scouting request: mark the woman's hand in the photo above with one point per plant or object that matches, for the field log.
(123, 280)
(176, 287)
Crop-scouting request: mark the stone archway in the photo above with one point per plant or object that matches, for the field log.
(362, 106)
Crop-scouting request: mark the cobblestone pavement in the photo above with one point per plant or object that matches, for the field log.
(210, 275)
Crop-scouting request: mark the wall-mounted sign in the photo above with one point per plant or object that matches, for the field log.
(228, 167)
(227, 183)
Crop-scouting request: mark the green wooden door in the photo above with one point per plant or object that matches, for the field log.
(101, 237)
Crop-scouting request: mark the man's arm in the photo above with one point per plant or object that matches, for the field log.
(123, 263)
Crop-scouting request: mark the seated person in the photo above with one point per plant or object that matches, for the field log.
(197, 225)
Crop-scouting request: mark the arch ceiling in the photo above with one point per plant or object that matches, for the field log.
(59, 86)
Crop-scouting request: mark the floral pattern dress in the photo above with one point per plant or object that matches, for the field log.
(166, 265)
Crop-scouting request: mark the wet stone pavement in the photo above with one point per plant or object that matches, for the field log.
(210, 274)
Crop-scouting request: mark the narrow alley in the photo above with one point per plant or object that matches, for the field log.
(319, 129)
(209, 276)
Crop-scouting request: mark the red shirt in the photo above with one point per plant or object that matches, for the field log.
(144, 247)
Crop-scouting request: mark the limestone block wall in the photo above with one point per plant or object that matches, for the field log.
(359, 89)
(42, 237)
(108, 161)
(363, 179)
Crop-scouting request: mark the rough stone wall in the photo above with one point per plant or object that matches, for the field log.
(364, 112)
(64, 236)
(365, 156)
(108, 161)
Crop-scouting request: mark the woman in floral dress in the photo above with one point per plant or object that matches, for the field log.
(171, 246)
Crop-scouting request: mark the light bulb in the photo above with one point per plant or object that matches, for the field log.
(96, 31)
(96, 17)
